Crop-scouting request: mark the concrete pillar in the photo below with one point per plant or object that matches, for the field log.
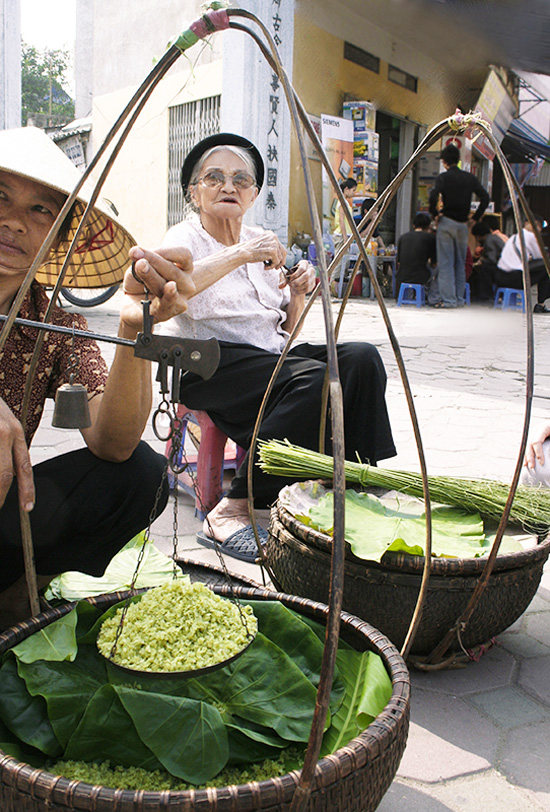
(84, 58)
(10, 64)
(253, 105)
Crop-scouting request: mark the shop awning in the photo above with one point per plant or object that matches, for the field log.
(522, 143)
(517, 34)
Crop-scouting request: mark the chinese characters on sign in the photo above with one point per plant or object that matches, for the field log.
(274, 102)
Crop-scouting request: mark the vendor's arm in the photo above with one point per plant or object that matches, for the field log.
(535, 451)
(14, 459)
(120, 413)
(265, 248)
(300, 280)
(342, 222)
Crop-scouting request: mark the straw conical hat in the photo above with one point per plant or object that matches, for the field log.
(101, 256)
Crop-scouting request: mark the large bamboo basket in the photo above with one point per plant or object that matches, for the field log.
(354, 779)
(385, 594)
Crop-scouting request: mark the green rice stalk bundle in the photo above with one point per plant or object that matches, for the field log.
(530, 508)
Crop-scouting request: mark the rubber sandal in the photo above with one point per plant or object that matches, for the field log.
(241, 544)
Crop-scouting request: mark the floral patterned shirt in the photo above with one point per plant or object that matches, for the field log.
(51, 370)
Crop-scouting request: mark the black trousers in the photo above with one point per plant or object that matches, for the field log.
(539, 277)
(481, 281)
(85, 510)
(233, 395)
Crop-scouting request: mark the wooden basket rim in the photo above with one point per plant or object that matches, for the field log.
(404, 562)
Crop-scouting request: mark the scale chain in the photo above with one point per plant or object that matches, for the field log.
(179, 463)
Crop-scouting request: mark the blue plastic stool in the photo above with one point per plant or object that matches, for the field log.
(510, 299)
(467, 293)
(411, 294)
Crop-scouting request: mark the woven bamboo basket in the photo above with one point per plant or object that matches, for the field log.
(354, 779)
(385, 593)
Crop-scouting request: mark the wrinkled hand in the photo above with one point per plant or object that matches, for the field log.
(301, 279)
(166, 273)
(534, 452)
(14, 459)
(267, 249)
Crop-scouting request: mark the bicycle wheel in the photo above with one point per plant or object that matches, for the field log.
(89, 297)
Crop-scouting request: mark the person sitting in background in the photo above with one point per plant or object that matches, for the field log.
(537, 459)
(416, 253)
(341, 229)
(366, 206)
(494, 224)
(483, 273)
(509, 270)
(86, 504)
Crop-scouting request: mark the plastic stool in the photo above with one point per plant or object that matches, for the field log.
(467, 293)
(411, 294)
(214, 455)
(510, 299)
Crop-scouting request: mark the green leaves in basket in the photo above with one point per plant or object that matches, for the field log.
(67, 689)
(56, 642)
(84, 709)
(368, 691)
(26, 716)
(262, 686)
(155, 568)
(373, 527)
(107, 729)
(188, 737)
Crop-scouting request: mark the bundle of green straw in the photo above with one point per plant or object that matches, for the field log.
(530, 508)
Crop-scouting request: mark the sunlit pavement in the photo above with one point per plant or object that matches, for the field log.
(480, 736)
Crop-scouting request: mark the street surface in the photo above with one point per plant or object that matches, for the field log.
(480, 736)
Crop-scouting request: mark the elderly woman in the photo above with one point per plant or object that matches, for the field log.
(246, 300)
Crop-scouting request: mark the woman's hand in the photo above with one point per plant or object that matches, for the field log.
(266, 248)
(14, 459)
(167, 275)
(534, 452)
(301, 279)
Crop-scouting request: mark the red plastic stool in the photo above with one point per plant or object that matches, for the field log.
(216, 453)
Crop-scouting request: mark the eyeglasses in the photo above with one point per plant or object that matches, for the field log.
(215, 179)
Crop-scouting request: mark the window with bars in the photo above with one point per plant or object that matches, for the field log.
(187, 124)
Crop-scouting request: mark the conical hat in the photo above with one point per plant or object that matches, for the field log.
(101, 256)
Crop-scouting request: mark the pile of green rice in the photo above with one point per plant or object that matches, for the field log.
(177, 627)
(137, 778)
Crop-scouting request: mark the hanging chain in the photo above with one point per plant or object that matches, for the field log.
(179, 463)
(146, 535)
(73, 361)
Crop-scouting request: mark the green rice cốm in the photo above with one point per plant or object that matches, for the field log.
(177, 627)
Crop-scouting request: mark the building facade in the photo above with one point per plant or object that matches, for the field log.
(333, 51)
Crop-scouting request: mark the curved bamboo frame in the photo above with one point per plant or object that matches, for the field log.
(219, 19)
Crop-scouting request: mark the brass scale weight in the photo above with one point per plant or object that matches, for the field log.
(71, 411)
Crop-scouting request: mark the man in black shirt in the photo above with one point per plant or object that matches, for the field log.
(456, 188)
(415, 250)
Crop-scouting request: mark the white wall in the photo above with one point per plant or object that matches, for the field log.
(83, 59)
(10, 64)
(138, 181)
(126, 45)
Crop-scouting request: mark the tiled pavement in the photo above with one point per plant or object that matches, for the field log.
(480, 736)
